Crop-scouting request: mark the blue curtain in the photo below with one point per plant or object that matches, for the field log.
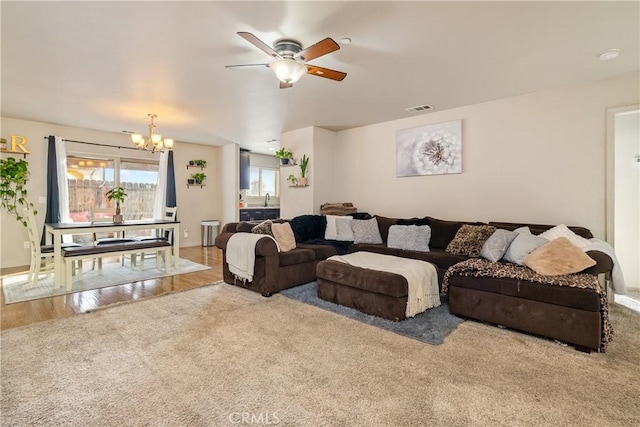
(53, 193)
(170, 199)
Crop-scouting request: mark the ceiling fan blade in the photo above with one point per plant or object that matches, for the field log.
(259, 44)
(317, 50)
(325, 72)
(246, 65)
(284, 85)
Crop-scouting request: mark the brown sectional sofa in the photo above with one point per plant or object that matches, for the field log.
(567, 314)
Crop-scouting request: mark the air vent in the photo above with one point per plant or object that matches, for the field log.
(417, 108)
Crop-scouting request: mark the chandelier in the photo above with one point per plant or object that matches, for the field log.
(154, 142)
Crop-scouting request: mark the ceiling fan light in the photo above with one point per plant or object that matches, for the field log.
(288, 70)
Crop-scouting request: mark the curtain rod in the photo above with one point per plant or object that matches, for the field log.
(102, 145)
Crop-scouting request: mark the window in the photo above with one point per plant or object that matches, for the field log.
(90, 178)
(263, 181)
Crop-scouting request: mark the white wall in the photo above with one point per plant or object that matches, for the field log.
(299, 200)
(323, 173)
(194, 204)
(230, 181)
(627, 195)
(536, 158)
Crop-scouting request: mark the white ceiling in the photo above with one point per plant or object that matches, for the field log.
(105, 65)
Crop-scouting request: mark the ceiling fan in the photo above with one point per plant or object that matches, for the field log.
(291, 59)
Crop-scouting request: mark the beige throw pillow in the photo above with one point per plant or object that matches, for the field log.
(558, 257)
(284, 236)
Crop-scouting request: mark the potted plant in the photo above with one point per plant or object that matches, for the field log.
(13, 177)
(292, 179)
(118, 194)
(201, 163)
(304, 167)
(284, 155)
(192, 162)
(191, 181)
(198, 177)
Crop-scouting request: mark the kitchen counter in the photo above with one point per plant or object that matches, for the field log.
(259, 213)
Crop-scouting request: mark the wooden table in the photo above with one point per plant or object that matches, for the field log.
(55, 231)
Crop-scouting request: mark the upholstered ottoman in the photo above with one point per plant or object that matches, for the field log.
(372, 291)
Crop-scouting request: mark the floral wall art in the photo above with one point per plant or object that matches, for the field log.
(429, 150)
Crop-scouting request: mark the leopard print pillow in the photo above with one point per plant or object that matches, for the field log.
(263, 228)
(469, 240)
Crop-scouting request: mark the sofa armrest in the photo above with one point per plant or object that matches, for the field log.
(265, 246)
(604, 264)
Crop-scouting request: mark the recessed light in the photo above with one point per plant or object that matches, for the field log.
(609, 54)
(345, 40)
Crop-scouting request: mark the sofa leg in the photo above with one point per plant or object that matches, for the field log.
(266, 294)
(583, 349)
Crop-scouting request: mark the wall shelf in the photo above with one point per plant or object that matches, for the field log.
(298, 186)
(196, 166)
(195, 185)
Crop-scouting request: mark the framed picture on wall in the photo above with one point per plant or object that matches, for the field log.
(429, 150)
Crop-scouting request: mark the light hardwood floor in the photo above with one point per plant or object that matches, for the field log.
(24, 313)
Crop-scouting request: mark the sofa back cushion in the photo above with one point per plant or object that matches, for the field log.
(308, 227)
(383, 226)
(540, 228)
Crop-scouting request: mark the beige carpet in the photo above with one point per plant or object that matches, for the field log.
(218, 355)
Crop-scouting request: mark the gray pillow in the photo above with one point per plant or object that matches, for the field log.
(343, 229)
(523, 245)
(366, 231)
(496, 245)
(409, 237)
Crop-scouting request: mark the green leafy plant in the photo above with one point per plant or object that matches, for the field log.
(304, 165)
(119, 195)
(13, 177)
(283, 153)
(201, 163)
(292, 179)
(199, 177)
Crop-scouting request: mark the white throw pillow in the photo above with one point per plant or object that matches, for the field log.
(331, 232)
(562, 230)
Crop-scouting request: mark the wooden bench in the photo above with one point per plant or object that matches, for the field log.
(112, 249)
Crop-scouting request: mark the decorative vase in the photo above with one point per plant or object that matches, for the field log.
(303, 181)
(191, 181)
(117, 218)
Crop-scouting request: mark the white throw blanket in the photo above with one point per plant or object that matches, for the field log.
(421, 276)
(241, 254)
(617, 279)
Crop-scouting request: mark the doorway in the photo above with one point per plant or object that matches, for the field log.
(623, 190)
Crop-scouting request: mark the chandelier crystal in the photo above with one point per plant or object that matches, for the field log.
(154, 142)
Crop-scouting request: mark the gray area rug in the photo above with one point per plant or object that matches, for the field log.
(16, 289)
(210, 356)
(431, 327)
